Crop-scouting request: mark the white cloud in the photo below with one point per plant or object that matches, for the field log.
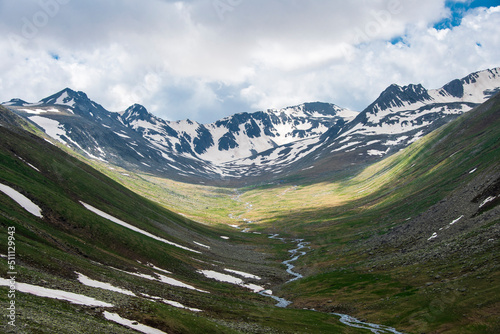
(193, 59)
(425, 56)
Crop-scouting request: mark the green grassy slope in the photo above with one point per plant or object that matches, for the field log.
(370, 232)
(70, 239)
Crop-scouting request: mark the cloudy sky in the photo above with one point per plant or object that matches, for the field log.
(206, 59)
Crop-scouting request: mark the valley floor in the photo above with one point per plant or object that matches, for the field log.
(410, 243)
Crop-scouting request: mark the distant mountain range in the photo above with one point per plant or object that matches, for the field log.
(257, 146)
(416, 232)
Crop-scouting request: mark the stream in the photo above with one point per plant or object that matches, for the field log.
(347, 320)
(295, 254)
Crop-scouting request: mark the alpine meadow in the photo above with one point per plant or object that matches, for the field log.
(250, 166)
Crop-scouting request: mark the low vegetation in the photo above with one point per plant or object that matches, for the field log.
(371, 252)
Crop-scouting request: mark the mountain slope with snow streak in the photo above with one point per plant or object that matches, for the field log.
(259, 146)
(399, 117)
(130, 255)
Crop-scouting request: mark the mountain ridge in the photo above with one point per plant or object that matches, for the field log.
(397, 118)
(416, 233)
(262, 145)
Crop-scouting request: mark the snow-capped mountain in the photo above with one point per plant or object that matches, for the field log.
(401, 115)
(397, 118)
(238, 136)
(74, 120)
(262, 144)
(15, 103)
(139, 140)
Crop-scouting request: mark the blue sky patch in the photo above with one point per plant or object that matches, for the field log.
(459, 9)
(397, 40)
(400, 40)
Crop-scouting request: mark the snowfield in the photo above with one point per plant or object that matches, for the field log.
(171, 303)
(106, 286)
(101, 285)
(230, 279)
(242, 274)
(56, 294)
(133, 228)
(22, 200)
(163, 279)
(51, 127)
(131, 324)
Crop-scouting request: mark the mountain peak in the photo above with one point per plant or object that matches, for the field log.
(485, 75)
(15, 103)
(396, 96)
(309, 110)
(138, 108)
(67, 97)
(68, 90)
(263, 139)
(323, 108)
(455, 88)
(136, 112)
(78, 101)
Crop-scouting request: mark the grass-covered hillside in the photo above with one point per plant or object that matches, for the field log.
(138, 261)
(411, 242)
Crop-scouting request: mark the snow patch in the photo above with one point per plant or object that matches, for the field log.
(377, 152)
(171, 303)
(101, 285)
(121, 135)
(55, 294)
(346, 146)
(32, 166)
(179, 305)
(163, 279)
(131, 324)
(133, 228)
(242, 274)
(396, 142)
(27, 163)
(64, 96)
(486, 201)
(159, 269)
(51, 127)
(22, 200)
(230, 279)
(34, 111)
(456, 220)
(202, 245)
